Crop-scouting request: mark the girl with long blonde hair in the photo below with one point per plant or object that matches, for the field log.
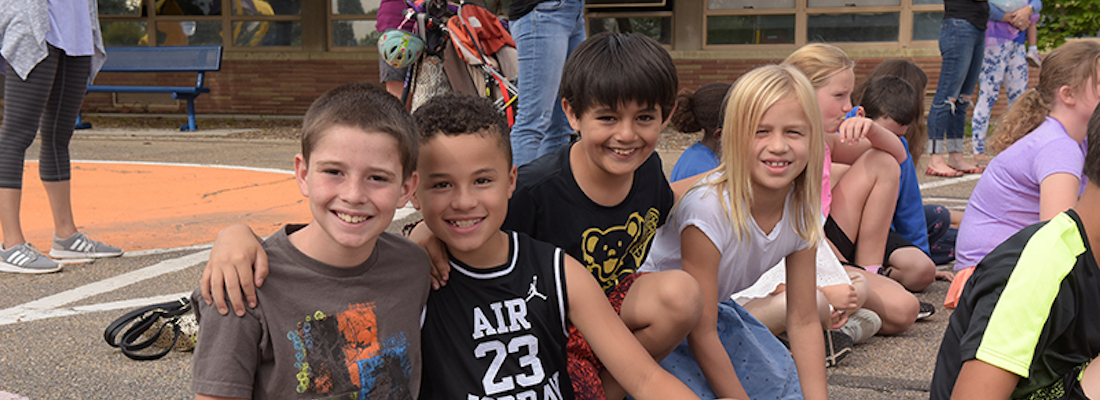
(760, 205)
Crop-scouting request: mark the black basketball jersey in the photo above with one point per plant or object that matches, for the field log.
(499, 333)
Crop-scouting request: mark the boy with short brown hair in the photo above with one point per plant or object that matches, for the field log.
(339, 313)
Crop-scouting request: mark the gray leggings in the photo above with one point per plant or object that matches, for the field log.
(49, 99)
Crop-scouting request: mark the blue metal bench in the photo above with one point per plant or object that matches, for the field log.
(199, 59)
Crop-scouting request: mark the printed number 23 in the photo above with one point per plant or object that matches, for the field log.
(492, 386)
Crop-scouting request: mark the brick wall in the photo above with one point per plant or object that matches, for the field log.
(696, 73)
(287, 87)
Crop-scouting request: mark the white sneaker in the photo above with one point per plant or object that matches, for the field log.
(26, 259)
(1034, 59)
(862, 325)
(80, 245)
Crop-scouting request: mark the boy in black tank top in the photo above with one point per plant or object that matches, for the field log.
(498, 328)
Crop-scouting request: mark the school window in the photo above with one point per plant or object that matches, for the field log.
(275, 24)
(652, 18)
(351, 23)
(792, 23)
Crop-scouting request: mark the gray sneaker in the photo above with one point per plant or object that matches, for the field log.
(862, 325)
(26, 259)
(80, 245)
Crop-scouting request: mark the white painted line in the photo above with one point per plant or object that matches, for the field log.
(48, 306)
(939, 200)
(950, 181)
(167, 164)
(142, 253)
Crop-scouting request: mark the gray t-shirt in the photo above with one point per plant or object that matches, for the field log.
(320, 331)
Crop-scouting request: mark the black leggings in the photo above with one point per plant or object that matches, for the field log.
(49, 100)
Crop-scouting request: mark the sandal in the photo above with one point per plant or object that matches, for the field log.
(933, 172)
(975, 170)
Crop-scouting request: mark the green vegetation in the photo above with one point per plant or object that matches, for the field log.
(1063, 19)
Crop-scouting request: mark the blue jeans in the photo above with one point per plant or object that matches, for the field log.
(765, 368)
(544, 38)
(962, 47)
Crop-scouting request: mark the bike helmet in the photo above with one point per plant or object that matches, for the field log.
(399, 48)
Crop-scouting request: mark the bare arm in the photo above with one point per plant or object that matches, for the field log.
(1057, 193)
(701, 260)
(613, 343)
(681, 186)
(236, 250)
(437, 253)
(803, 327)
(857, 135)
(208, 397)
(981, 380)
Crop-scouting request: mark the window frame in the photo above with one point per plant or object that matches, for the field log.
(802, 13)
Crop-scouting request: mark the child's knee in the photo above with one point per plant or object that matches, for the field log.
(677, 296)
(912, 268)
(883, 164)
(900, 313)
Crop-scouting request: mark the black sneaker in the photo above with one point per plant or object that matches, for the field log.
(837, 346)
(926, 310)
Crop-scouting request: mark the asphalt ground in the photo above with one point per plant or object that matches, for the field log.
(51, 325)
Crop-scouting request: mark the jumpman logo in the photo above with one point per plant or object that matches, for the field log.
(534, 291)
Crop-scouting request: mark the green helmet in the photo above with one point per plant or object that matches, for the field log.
(399, 48)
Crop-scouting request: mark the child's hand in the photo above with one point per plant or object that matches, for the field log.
(837, 319)
(437, 254)
(945, 276)
(236, 250)
(852, 130)
(841, 297)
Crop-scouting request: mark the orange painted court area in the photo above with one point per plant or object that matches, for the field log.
(143, 206)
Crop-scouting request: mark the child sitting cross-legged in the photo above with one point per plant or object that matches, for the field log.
(762, 204)
(339, 314)
(498, 328)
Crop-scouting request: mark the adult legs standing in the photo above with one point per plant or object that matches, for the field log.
(962, 48)
(49, 99)
(544, 39)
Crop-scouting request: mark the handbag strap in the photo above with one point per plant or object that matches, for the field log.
(126, 331)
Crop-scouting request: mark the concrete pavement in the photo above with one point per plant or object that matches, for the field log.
(52, 325)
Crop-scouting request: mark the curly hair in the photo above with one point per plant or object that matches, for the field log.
(455, 114)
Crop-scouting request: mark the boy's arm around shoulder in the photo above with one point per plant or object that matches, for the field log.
(613, 343)
(237, 249)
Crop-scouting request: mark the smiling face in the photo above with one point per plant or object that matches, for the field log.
(353, 180)
(835, 99)
(617, 141)
(464, 195)
(780, 147)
